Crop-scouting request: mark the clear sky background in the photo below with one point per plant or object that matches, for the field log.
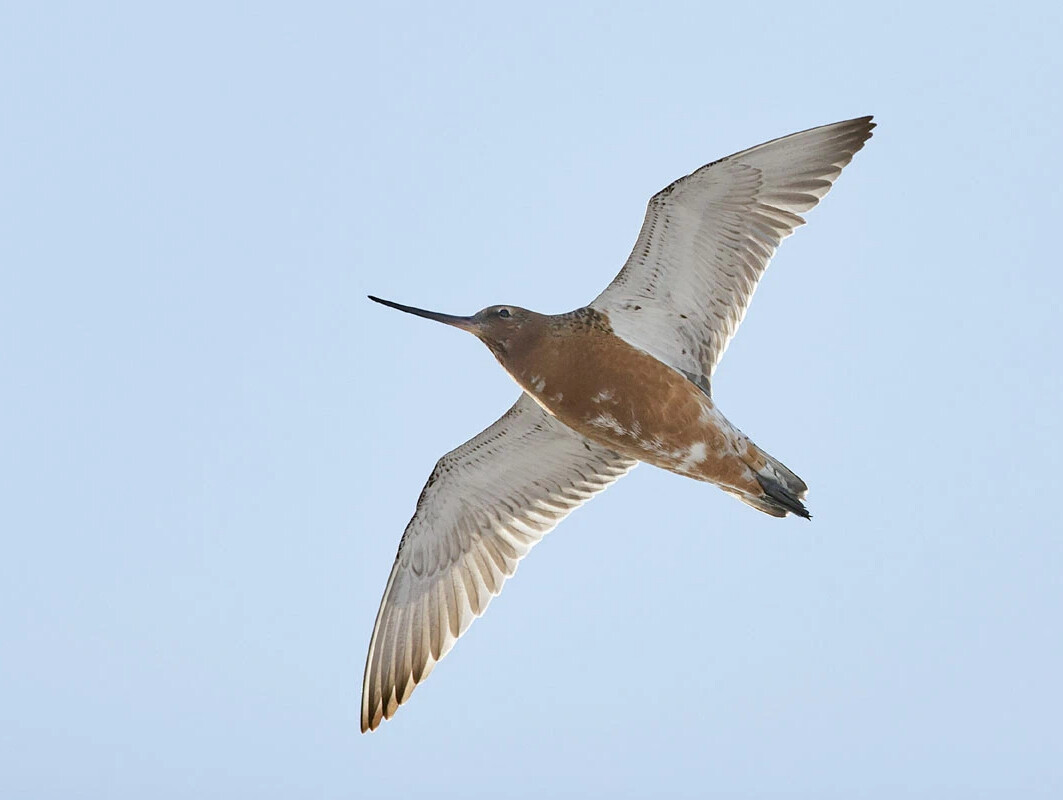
(210, 441)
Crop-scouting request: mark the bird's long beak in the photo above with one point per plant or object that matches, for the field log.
(465, 323)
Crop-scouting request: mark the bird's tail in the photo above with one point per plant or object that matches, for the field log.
(782, 491)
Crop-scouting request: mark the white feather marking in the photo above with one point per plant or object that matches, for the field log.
(695, 455)
(608, 421)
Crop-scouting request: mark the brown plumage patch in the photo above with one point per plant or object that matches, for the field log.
(622, 397)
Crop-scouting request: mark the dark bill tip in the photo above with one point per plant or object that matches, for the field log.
(466, 323)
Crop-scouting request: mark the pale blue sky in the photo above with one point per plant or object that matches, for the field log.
(211, 441)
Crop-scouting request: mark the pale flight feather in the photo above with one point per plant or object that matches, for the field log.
(484, 507)
(708, 237)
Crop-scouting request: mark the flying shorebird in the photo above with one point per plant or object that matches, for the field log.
(622, 380)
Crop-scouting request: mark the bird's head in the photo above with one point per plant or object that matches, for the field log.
(501, 328)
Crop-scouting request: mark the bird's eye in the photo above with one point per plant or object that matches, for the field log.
(504, 313)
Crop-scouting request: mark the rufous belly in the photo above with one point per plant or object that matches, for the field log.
(626, 399)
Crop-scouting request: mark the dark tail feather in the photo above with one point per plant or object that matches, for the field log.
(779, 496)
(783, 490)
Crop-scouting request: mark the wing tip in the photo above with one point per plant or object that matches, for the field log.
(369, 721)
(863, 127)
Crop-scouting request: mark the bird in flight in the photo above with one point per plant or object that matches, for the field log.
(622, 380)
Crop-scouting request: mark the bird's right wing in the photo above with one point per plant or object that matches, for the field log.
(485, 505)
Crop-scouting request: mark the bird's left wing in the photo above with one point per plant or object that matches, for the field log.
(708, 238)
(484, 507)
